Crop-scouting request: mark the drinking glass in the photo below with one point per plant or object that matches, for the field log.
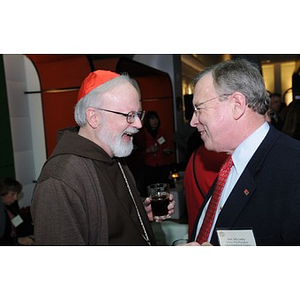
(160, 199)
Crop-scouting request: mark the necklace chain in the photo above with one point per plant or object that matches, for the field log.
(145, 235)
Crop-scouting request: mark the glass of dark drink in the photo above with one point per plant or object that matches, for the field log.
(160, 199)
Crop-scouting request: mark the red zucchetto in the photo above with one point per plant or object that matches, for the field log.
(93, 80)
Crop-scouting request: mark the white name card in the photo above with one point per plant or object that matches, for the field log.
(17, 220)
(239, 237)
(161, 140)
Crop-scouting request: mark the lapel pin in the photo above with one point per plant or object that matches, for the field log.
(246, 192)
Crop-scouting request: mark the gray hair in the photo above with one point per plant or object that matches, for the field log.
(94, 97)
(241, 76)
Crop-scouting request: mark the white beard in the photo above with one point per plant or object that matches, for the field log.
(116, 144)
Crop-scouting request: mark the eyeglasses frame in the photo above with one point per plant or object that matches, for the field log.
(140, 114)
(196, 108)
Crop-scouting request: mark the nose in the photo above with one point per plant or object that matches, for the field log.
(194, 121)
(137, 123)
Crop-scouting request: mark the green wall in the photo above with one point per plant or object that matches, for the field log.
(6, 149)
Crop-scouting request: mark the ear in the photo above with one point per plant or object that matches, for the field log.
(92, 117)
(238, 105)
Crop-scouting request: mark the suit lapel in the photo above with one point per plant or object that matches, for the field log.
(245, 186)
(237, 200)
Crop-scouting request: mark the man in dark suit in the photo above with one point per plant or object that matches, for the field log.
(262, 191)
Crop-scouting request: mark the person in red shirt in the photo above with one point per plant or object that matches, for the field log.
(156, 150)
(201, 171)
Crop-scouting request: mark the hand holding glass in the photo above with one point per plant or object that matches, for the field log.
(160, 199)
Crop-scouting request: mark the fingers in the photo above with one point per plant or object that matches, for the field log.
(206, 244)
(147, 201)
(172, 202)
(197, 244)
(26, 241)
(192, 244)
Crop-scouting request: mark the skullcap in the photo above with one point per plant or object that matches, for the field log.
(93, 80)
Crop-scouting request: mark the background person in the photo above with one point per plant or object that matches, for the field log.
(277, 110)
(156, 151)
(2, 219)
(291, 124)
(18, 229)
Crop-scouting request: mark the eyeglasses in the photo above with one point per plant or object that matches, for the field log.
(130, 117)
(197, 108)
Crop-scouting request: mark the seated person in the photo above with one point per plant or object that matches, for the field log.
(18, 228)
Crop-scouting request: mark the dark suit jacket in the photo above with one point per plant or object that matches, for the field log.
(266, 197)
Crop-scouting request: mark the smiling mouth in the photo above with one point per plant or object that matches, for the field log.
(128, 134)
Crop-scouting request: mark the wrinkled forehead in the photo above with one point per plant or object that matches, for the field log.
(124, 95)
(204, 89)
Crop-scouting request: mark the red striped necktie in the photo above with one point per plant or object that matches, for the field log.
(213, 204)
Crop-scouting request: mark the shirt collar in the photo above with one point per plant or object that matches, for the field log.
(243, 153)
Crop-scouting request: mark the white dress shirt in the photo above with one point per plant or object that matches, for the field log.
(240, 157)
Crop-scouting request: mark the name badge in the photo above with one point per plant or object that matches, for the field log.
(238, 237)
(161, 140)
(17, 220)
